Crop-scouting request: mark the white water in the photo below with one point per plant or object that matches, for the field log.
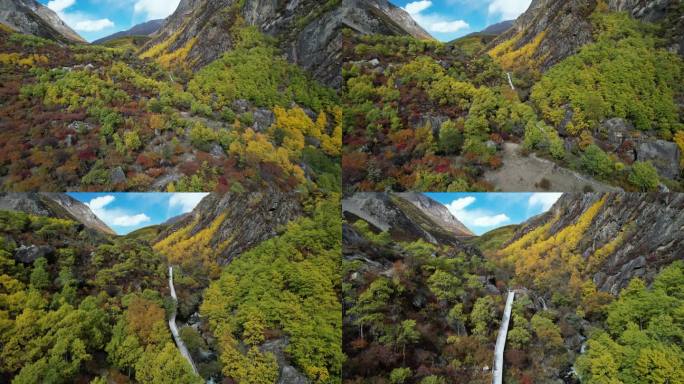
(501, 341)
(510, 81)
(174, 329)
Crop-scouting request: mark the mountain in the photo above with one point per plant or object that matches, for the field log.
(619, 236)
(406, 216)
(584, 275)
(31, 17)
(56, 205)
(555, 29)
(144, 29)
(308, 31)
(226, 225)
(498, 28)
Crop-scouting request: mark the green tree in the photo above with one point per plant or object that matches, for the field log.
(445, 285)
(644, 176)
(450, 138)
(400, 375)
(40, 279)
(596, 161)
(164, 366)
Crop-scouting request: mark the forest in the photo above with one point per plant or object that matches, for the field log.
(424, 312)
(434, 116)
(77, 305)
(91, 117)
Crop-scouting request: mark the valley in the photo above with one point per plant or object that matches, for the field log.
(217, 295)
(588, 285)
(592, 86)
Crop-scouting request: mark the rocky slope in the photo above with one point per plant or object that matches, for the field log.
(246, 219)
(143, 29)
(650, 228)
(562, 27)
(308, 31)
(406, 216)
(31, 17)
(58, 205)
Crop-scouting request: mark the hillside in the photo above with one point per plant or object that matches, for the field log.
(110, 120)
(32, 17)
(592, 276)
(554, 94)
(80, 305)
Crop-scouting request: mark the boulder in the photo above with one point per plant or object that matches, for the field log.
(29, 254)
(664, 155)
(117, 176)
(241, 106)
(217, 151)
(263, 119)
(617, 131)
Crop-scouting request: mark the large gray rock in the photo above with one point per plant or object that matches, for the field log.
(617, 131)
(29, 254)
(117, 176)
(288, 373)
(263, 119)
(664, 155)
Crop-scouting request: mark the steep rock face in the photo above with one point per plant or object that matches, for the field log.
(144, 29)
(249, 218)
(564, 26)
(406, 216)
(651, 227)
(31, 17)
(58, 205)
(308, 31)
(437, 212)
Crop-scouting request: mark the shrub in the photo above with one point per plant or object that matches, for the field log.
(597, 162)
(644, 176)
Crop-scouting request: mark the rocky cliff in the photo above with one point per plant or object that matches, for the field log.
(649, 229)
(243, 220)
(58, 205)
(407, 217)
(308, 31)
(556, 29)
(31, 17)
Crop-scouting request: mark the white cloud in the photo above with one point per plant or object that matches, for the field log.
(186, 201)
(93, 25)
(114, 216)
(155, 9)
(433, 22)
(475, 217)
(543, 200)
(508, 9)
(60, 5)
(78, 21)
(418, 6)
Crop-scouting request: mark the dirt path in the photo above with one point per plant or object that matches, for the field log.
(524, 174)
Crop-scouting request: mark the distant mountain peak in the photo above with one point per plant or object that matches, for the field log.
(58, 205)
(32, 17)
(143, 29)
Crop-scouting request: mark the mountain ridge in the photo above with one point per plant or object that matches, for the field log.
(58, 205)
(143, 29)
(32, 17)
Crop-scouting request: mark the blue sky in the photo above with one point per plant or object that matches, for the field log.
(449, 19)
(94, 19)
(482, 212)
(126, 212)
(444, 19)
